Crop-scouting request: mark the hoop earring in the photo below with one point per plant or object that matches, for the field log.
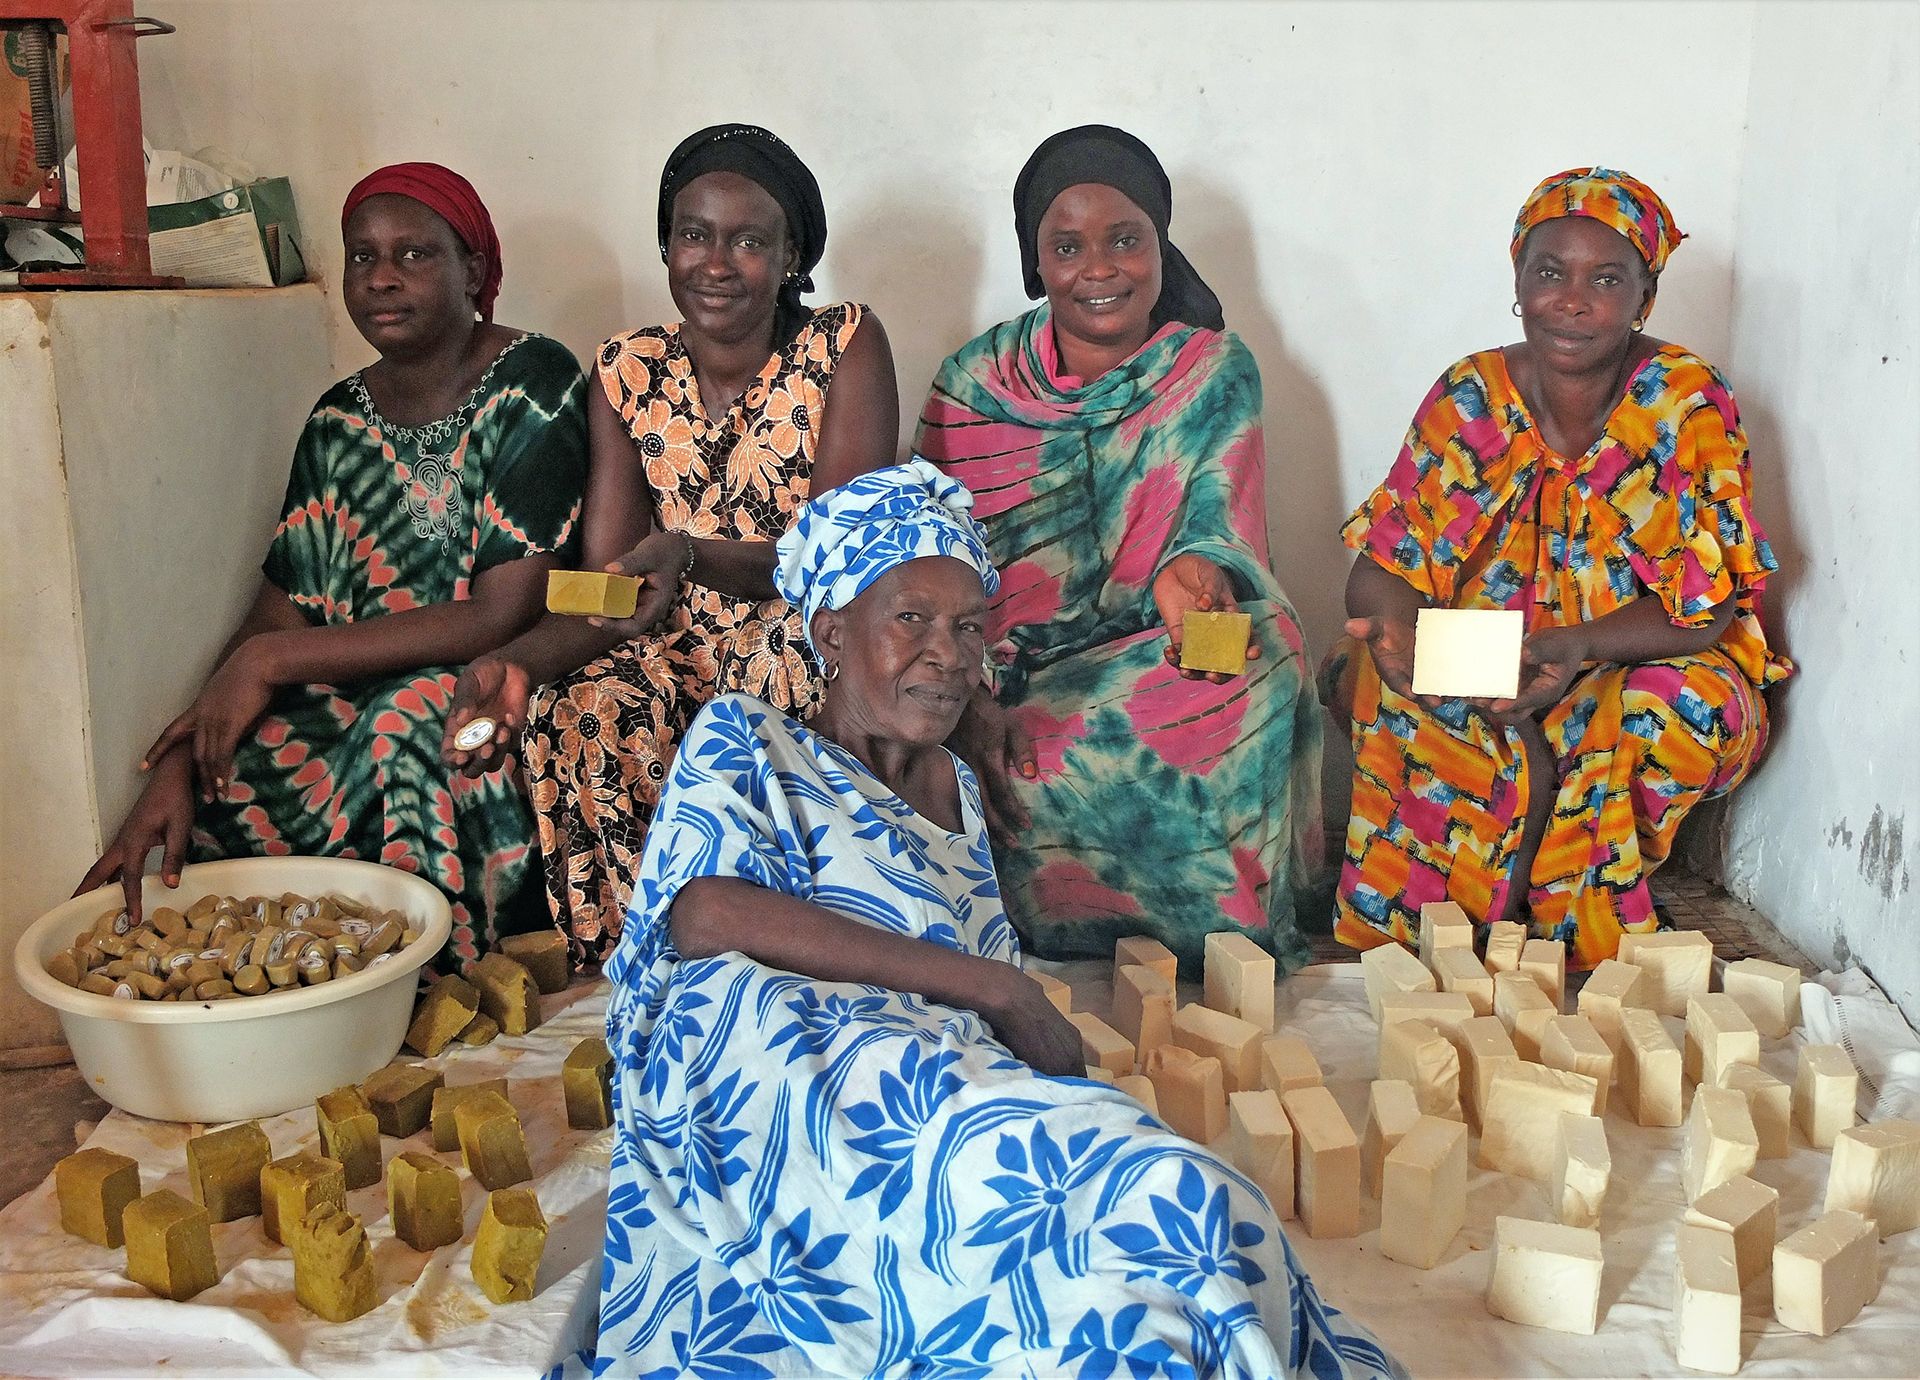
(1639, 323)
(1516, 308)
(832, 673)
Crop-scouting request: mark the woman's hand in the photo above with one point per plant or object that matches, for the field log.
(162, 817)
(1550, 660)
(659, 561)
(1032, 1027)
(491, 687)
(230, 704)
(1390, 643)
(1186, 583)
(991, 741)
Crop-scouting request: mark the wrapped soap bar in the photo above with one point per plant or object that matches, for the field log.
(447, 1009)
(224, 1168)
(350, 1133)
(480, 1031)
(401, 1096)
(169, 1245)
(491, 1141)
(507, 993)
(94, 1187)
(423, 1197)
(544, 954)
(592, 593)
(446, 1136)
(1213, 641)
(291, 1188)
(332, 1267)
(508, 1245)
(587, 1080)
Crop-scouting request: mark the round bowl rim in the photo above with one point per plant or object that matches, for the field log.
(50, 991)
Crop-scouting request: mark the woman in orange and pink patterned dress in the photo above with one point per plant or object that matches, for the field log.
(1596, 479)
(706, 438)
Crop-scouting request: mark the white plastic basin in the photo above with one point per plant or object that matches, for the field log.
(248, 1056)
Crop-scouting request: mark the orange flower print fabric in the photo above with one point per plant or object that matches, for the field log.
(599, 742)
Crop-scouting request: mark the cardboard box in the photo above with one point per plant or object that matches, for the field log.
(246, 237)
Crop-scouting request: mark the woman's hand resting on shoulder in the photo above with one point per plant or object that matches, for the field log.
(491, 687)
(1190, 583)
(1032, 1027)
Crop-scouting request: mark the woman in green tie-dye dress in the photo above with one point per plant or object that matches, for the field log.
(430, 494)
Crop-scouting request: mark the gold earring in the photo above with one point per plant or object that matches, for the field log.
(1639, 322)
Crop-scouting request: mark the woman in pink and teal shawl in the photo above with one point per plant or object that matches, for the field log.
(1112, 437)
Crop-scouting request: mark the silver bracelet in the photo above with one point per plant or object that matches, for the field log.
(686, 569)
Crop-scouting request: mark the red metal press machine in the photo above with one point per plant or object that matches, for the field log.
(106, 127)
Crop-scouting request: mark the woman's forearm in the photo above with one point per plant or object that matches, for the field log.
(1375, 592)
(1642, 631)
(739, 569)
(558, 645)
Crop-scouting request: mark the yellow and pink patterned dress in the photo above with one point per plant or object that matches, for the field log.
(1478, 512)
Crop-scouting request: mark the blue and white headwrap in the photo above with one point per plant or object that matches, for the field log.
(849, 537)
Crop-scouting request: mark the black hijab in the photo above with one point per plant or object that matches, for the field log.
(762, 158)
(1113, 158)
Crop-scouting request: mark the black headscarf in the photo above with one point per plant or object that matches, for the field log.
(763, 158)
(1113, 158)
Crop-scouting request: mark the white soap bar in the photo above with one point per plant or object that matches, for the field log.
(1148, 952)
(1415, 1053)
(1391, 1112)
(1446, 1012)
(1140, 1088)
(1443, 925)
(1677, 964)
(1749, 1211)
(1100, 1075)
(1286, 1063)
(1326, 1189)
(1545, 1275)
(1768, 992)
(1521, 1118)
(1468, 653)
(1390, 967)
(1459, 971)
(1423, 1196)
(1190, 1092)
(1718, 1034)
(1706, 1302)
(1057, 991)
(1582, 1169)
(1545, 961)
(1101, 1045)
(1769, 1103)
(1720, 1143)
(1825, 1088)
(1505, 941)
(1825, 1273)
(1648, 1069)
(1260, 1145)
(1239, 978)
(1143, 1003)
(1524, 1010)
(1571, 1043)
(1876, 1173)
(1485, 1050)
(1612, 987)
(1232, 1041)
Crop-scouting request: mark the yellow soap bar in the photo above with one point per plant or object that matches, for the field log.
(1212, 641)
(1148, 952)
(481, 1030)
(332, 1267)
(423, 1198)
(447, 1009)
(291, 1188)
(169, 1245)
(508, 993)
(94, 1188)
(401, 1096)
(446, 1136)
(586, 1079)
(544, 954)
(224, 1168)
(350, 1133)
(508, 1246)
(592, 593)
(491, 1141)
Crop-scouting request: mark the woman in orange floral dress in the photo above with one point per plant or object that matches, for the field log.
(706, 438)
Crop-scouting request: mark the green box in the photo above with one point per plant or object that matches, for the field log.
(246, 237)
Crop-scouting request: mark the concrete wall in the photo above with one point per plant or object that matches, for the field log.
(1826, 358)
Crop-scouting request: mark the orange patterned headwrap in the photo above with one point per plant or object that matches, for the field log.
(1619, 202)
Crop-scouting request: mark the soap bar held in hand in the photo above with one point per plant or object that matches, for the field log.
(1468, 653)
(592, 593)
(1215, 642)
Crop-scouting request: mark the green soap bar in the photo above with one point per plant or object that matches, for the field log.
(94, 1188)
(224, 1167)
(446, 1136)
(491, 1140)
(442, 1013)
(423, 1198)
(332, 1267)
(544, 954)
(350, 1133)
(169, 1245)
(293, 1187)
(587, 1081)
(507, 993)
(401, 1096)
(508, 1245)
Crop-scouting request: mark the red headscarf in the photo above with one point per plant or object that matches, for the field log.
(450, 196)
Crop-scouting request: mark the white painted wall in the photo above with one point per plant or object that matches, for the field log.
(1826, 359)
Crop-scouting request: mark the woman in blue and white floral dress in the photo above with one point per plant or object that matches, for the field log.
(849, 1138)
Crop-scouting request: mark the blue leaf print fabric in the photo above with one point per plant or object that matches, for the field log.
(834, 1179)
